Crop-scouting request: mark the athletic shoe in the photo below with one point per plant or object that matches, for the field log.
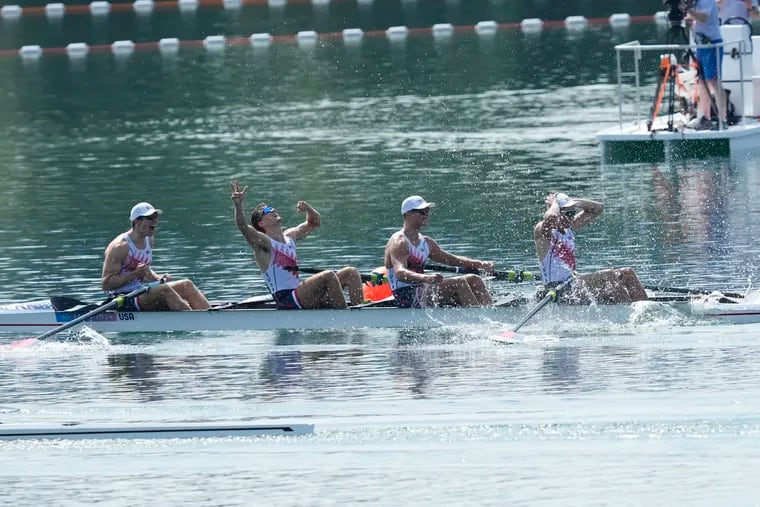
(704, 124)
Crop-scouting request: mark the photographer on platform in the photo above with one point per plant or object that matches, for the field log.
(706, 31)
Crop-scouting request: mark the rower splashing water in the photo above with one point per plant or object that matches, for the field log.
(554, 236)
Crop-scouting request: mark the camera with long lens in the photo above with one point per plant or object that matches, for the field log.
(677, 11)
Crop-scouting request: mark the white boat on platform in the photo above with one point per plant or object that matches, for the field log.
(661, 134)
(80, 431)
(41, 316)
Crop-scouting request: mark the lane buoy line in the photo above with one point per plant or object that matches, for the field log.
(349, 36)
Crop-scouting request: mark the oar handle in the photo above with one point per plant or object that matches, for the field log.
(508, 276)
(117, 301)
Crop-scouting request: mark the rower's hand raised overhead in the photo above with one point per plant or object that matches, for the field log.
(237, 194)
(313, 218)
(303, 207)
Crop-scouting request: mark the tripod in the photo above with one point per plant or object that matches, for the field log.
(668, 76)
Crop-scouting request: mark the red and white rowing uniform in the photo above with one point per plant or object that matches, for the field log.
(559, 262)
(408, 295)
(281, 276)
(134, 257)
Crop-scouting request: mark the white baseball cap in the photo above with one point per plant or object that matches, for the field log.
(414, 202)
(564, 201)
(142, 209)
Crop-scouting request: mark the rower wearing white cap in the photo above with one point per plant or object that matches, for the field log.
(408, 250)
(555, 246)
(127, 266)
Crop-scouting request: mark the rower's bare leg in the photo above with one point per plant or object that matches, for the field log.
(322, 290)
(479, 289)
(351, 279)
(190, 293)
(456, 291)
(163, 297)
(636, 291)
(614, 286)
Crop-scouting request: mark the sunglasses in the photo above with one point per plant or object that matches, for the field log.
(154, 216)
(267, 210)
(569, 213)
(423, 211)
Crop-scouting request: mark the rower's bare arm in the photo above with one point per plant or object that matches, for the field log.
(257, 239)
(398, 251)
(440, 255)
(312, 222)
(590, 211)
(116, 253)
(542, 238)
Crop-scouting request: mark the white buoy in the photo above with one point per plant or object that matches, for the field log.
(443, 30)
(531, 25)
(55, 10)
(123, 47)
(31, 52)
(307, 37)
(486, 27)
(77, 50)
(143, 6)
(100, 8)
(576, 22)
(10, 12)
(661, 17)
(352, 35)
(188, 5)
(168, 45)
(232, 5)
(214, 42)
(620, 20)
(276, 4)
(397, 33)
(260, 40)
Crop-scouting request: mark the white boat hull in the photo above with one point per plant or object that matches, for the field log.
(79, 431)
(37, 317)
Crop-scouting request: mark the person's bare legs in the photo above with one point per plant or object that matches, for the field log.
(190, 293)
(163, 297)
(457, 291)
(351, 279)
(614, 286)
(322, 290)
(479, 289)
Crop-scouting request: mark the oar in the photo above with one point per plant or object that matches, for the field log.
(509, 276)
(117, 301)
(512, 335)
(684, 290)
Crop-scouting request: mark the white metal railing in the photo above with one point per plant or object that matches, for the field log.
(635, 49)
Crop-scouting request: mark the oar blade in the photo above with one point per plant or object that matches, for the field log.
(22, 343)
(508, 338)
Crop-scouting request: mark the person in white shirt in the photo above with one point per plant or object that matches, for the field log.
(734, 11)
